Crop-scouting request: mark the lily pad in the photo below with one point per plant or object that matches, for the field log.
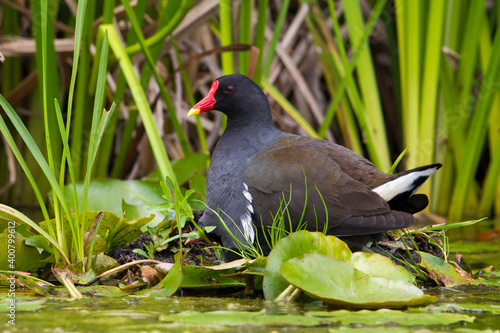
(103, 290)
(463, 308)
(202, 277)
(108, 194)
(16, 255)
(40, 242)
(171, 282)
(443, 272)
(32, 285)
(256, 266)
(103, 263)
(22, 305)
(228, 265)
(317, 318)
(295, 245)
(386, 316)
(336, 282)
(239, 318)
(375, 264)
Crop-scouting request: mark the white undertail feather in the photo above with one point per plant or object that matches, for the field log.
(246, 218)
(402, 184)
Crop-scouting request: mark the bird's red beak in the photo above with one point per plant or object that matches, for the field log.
(207, 103)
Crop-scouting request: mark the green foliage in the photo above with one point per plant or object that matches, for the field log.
(202, 277)
(371, 320)
(129, 196)
(113, 232)
(337, 282)
(323, 266)
(246, 249)
(296, 245)
(72, 251)
(172, 281)
(23, 257)
(150, 254)
(443, 272)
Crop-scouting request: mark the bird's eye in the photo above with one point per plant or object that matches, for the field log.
(229, 89)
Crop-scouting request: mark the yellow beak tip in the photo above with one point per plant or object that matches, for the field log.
(193, 112)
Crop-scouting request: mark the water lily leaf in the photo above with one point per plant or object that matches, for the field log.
(239, 318)
(443, 272)
(16, 255)
(295, 245)
(336, 282)
(375, 264)
(99, 244)
(139, 211)
(386, 316)
(476, 308)
(32, 285)
(40, 242)
(103, 290)
(22, 305)
(489, 276)
(104, 263)
(108, 194)
(134, 286)
(202, 277)
(256, 266)
(253, 271)
(253, 274)
(227, 265)
(172, 281)
(317, 318)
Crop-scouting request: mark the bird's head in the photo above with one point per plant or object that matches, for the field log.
(236, 96)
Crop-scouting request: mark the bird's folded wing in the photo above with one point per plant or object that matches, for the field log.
(365, 225)
(270, 176)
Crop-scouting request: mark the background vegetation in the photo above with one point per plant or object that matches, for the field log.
(376, 76)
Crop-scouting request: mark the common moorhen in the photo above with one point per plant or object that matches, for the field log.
(256, 169)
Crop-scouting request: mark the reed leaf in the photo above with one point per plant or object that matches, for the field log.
(141, 102)
(476, 136)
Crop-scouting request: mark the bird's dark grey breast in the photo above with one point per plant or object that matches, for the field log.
(227, 192)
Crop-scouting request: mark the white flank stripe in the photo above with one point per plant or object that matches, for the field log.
(246, 219)
(402, 184)
(248, 231)
(247, 194)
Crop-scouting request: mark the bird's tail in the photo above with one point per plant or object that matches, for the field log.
(397, 191)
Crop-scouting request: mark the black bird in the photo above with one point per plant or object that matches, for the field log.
(255, 166)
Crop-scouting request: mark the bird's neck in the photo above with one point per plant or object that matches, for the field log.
(250, 134)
